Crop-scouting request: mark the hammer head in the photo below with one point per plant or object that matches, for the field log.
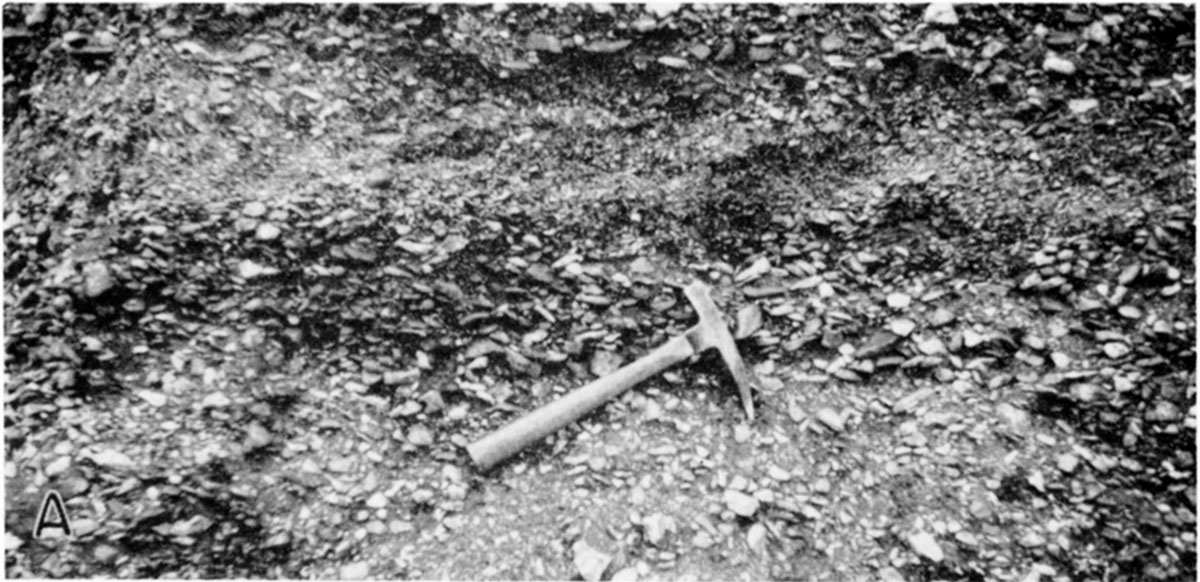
(711, 331)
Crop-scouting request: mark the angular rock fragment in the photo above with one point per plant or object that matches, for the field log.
(1056, 64)
(898, 300)
(590, 562)
(903, 327)
(1067, 463)
(831, 419)
(926, 546)
(941, 13)
(740, 503)
(97, 279)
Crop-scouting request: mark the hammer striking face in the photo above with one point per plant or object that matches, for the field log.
(709, 332)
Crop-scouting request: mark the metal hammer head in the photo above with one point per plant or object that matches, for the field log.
(711, 331)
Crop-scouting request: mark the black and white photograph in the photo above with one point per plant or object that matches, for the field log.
(898, 292)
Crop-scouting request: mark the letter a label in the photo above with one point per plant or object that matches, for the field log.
(63, 523)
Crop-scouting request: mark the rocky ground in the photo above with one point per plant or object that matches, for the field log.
(268, 270)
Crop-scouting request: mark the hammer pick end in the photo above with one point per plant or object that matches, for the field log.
(745, 380)
(712, 331)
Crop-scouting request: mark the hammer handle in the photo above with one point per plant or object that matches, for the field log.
(503, 443)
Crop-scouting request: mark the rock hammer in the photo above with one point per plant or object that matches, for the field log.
(709, 332)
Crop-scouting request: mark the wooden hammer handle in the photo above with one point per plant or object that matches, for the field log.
(503, 443)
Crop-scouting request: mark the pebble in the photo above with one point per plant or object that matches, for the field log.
(154, 397)
(898, 301)
(1032, 540)
(807, 282)
(911, 400)
(257, 436)
(420, 436)
(1014, 417)
(251, 52)
(340, 465)
(83, 527)
(760, 54)
(248, 269)
(878, 344)
(216, 400)
(941, 13)
(1129, 274)
(931, 346)
(58, 466)
(1116, 350)
(1085, 392)
(254, 209)
(758, 268)
(629, 574)
(1057, 329)
(105, 553)
(1056, 64)
(1037, 480)
(377, 501)
(740, 503)
(1034, 343)
(831, 418)
(971, 339)
(396, 377)
(642, 266)
(1123, 384)
(657, 526)
(378, 178)
(903, 327)
(1067, 463)
(354, 571)
(1129, 312)
(1163, 411)
(926, 546)
(543, 42)
(1096, 32)
(778, 474)
(672, 62)
(414, 247)
(749, 320)
(1060, 359)
(266, 231)
(604, 363)
(590, 562)
(96, 279)
(940, 317)
(756, 538)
